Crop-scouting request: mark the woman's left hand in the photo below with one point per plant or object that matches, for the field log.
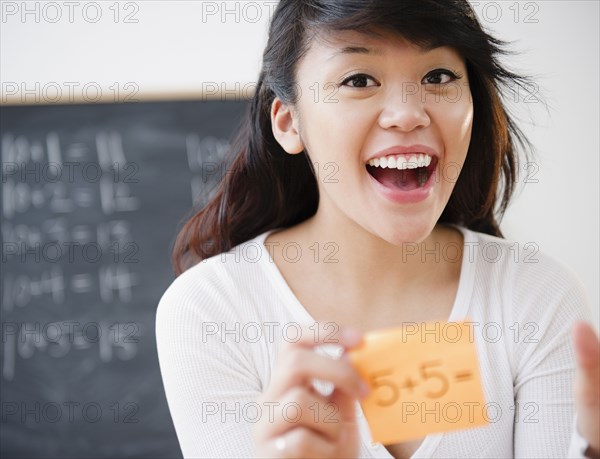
(587, 384)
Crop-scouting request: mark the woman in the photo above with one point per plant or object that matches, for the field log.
(369, 175)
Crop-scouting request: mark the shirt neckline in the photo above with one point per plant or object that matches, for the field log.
(458, 312)
(461, 300)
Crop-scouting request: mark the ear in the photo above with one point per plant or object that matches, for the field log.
(284, 123)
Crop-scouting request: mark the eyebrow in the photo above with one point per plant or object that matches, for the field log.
(356, 50)
(370, 51)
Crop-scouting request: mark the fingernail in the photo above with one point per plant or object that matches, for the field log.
(350, 336)
(364, 389)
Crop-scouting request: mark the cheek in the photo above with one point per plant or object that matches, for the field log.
(335, 130)
(455, 120)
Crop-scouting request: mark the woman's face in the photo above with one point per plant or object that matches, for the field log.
(361, 96)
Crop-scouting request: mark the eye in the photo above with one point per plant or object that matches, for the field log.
(359, 80)
(436, 76)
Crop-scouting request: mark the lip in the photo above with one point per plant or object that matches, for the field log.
(406, 197)
(402, 150)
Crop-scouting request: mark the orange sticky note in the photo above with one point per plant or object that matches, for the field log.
(424, 378)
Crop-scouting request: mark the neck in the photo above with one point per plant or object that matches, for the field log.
(365, 268)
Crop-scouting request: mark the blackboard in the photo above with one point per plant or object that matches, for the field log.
(92, 197)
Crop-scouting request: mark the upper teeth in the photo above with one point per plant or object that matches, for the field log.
(402, 161)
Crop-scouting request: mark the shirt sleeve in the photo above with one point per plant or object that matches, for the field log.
(209, 378)
(549, 299)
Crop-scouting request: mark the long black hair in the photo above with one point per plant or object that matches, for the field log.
(266, 188)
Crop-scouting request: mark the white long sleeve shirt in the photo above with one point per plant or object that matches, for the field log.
(220, 325)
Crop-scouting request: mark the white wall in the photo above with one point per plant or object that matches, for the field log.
(156, 49)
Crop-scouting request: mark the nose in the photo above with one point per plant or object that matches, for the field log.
(404, 110)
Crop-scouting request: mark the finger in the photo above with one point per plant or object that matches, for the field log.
(301, 408)
(349, 439)
(302, 443)
(300, 366)
(310, 337)
(345, 405)
(587, 376)
(587, 347)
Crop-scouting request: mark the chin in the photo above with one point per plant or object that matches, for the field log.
(410, 232)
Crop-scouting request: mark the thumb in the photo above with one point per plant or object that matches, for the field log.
(587, 382)
(587, 374)
(587, 348)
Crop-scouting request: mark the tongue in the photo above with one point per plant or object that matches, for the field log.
(406, 180)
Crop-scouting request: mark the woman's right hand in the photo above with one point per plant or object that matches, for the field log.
(587, 384)
(323, 427)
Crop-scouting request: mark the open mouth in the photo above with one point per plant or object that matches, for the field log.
(403, 172)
